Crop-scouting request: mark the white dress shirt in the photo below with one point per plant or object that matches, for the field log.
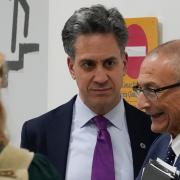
(83, 140)
(176, 146)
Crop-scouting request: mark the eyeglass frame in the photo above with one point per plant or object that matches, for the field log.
(153, 92)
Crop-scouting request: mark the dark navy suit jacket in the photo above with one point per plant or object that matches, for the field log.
(159, 149)
(49, 134)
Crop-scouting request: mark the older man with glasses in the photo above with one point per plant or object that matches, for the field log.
(158, 91)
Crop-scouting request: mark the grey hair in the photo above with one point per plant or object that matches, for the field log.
(94, 19)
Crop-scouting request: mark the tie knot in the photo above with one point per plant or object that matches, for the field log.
(100, 122)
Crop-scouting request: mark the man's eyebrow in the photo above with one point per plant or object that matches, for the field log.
(110, 58)
(149, 84)
(86, 59)
(107, 59)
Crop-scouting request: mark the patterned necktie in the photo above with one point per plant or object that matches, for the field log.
(170, 157)
(103, 162)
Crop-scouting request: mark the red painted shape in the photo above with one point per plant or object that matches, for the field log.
(137, 37)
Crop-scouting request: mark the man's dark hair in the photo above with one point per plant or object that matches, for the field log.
(95, 19)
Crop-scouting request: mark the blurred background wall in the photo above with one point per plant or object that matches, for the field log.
(43, 82)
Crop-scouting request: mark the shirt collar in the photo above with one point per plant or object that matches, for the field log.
(82, 114)
(117, 115)
(176, 145)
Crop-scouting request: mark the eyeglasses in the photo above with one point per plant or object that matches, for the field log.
(151, 93)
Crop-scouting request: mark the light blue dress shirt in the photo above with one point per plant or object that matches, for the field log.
(83, 140)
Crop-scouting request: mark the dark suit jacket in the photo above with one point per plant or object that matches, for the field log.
(49, 134)
(159, 149)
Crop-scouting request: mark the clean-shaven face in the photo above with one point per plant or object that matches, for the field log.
(98, 68)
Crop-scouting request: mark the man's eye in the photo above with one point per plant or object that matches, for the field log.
(87, 65)
(109, 64)
(150, 89)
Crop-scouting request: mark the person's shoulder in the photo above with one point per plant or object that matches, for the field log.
(156, 150)
(41, 169)
(162, 140)
(159, 146)
(51, 115)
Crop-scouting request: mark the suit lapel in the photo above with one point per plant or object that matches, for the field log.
(134, 136)
(58, 136)
(140, 135)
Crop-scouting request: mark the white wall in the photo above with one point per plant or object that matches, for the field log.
(44, 82)
(60, 86)
(26, 94)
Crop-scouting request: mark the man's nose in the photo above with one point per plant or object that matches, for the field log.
(101, 75)
(142, 101)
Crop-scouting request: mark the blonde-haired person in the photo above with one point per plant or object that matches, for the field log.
(16, 163)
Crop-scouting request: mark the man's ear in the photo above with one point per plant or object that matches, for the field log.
(70, 63)
(125, 61)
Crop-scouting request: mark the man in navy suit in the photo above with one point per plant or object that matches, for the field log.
(158, 91)
(94, 39)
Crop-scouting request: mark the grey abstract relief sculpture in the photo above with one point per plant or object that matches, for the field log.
(24, 48)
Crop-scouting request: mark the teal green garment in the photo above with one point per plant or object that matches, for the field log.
(41, 169)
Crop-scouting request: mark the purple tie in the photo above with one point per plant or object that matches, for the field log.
(103, 162)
